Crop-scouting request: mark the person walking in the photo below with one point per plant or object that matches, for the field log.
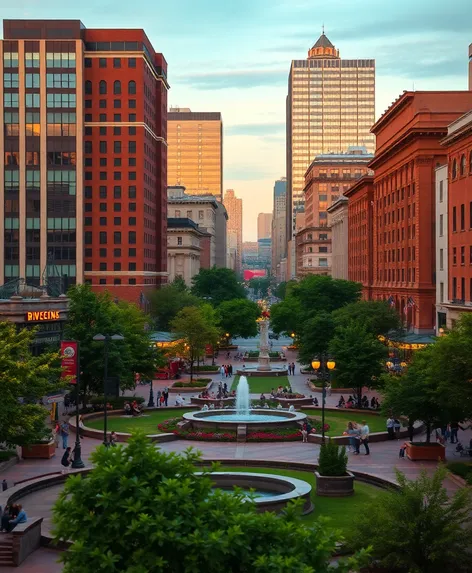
(65, 434)
(293, 368)
(390, 430)
(158, 398)
(454, 429)
(397, 427)
(166, 395)
(365, 437)
(65, 461)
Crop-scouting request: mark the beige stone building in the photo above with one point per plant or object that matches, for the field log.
(184, 248)
(338, 221)
(234, 208)
(195, 151)
(264, 226)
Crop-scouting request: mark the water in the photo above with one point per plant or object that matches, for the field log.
(237, 417)
(242, 397)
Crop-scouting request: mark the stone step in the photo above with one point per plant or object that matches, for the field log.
(6, 563)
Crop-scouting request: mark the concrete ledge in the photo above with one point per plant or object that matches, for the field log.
(188, 390)
(26, 539)
(4, 466)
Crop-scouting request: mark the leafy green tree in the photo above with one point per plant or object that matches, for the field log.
(260, 285)
(419, 529)
(238, 317)
(168, 300)
(286, 316)
(90, 314)
(358, 356)
(376, 315)
(25, 379)
(196, 327)
(280, 290)
(315, 337)
(143, 510)
(217, 285)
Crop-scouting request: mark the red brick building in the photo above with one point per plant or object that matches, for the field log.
(360, 209)
(408, 151)
(458, 144)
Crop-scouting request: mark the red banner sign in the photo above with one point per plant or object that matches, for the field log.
(69, 360)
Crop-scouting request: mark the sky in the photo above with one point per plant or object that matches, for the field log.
(234, 56)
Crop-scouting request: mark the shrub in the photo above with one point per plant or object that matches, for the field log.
(6, 455)
(461, 469)
(332, 460)
(117, 403)
(198, 383)
(206, 368)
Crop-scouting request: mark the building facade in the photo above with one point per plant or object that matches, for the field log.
(327, 178)
(330, 106)
(408, 151)
(221, 247)
(85, 156)
(201, 210)
(338, 223)
(264, 226)
(195, 155)
(360, 198)
(184, 248)
(264, 252)
(442, 246)
(279, 222)
(234, 208)
(458, 144)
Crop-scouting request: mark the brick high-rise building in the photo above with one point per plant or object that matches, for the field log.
(83, 176)
(330, 106)
(408, 152)
(234, 208)
(195, 158)
(279, 241)
(264, 226)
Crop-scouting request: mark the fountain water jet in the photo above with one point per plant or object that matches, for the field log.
(242, 397)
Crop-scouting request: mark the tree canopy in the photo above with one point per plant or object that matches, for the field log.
(315, 337)
(90, 314)
(260, 285)
(376, 315)
(143, 510)
(25, 379)
(217, 285)
(168, 300)
(238, 317)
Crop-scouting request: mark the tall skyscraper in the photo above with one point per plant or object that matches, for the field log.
(234, 208)
(330, 106)
(83, 173)
(279, 218)
(195, 157)
(264, 226)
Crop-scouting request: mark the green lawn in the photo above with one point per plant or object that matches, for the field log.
(342, 511)
(148, 423)
(257, 384)
(338, 420)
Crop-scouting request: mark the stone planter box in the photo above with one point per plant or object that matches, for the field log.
(424, 451)
(189, 390)
(39, 451)
(335, 486)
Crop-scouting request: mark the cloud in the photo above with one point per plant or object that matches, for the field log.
(255, 129)
(238, 78)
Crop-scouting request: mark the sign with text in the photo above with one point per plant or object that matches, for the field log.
(42, 315)
(69, 359)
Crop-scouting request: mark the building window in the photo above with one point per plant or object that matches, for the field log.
(131, 87)
(441, 259)
(117, 87)
(117, 221)
(454, 169)
(132, 131)
(462, 217)
(131, 146)
(117, 130)
(103, 221)
(117, 192)
(88, 87)
(117, 266)
(117, 175)
(441, 292)
(117, 103)
(454, 219)
(132, 175)
(131, 117)
(117, 117)
(103, 266)
(103, 253)
(32, 100)
(132, 221)
(102, 117)
(131, 252)
(102, 62)
(323, 262)
(454, 288)
(131, 281)
(117, 162)
(102, 131)
(441, 225)
(60, 81)
(117, 62)
(462, 165)
(11, 81)
(132, 237)
(132, 192)
(179, 240)
(117, 147)
(132, 103)
(454, 256)
(10, 59)
(462, 255)
(132, 207)
(88, 62)
(117, 207)
(131, 62)
(131, 161)
(103, 237)
(117, 238)
(102, 87)
(103, 207)
(131, 266)
(103, 281)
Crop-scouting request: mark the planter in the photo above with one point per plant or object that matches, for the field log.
(39, 451)
(416, 451)
(335, 486)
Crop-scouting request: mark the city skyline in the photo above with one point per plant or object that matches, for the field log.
(409, 48)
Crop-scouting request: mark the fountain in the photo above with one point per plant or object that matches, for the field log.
(243, 417)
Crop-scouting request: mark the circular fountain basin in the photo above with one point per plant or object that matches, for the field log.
(272, 492)
(256, 420)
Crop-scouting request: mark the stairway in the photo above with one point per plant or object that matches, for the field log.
(6, 550)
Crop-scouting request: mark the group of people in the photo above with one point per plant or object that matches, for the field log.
(133, 409)
(61, 431)
(351, 403)
(358, 435)
(291, 368)
(226, 371)
(12, 516)
(280, 392)
(393, 427)
(162, 398)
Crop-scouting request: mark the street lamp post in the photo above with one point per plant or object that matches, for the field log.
(324, 365)
(77, 462)
(106, 339)
(151, 397)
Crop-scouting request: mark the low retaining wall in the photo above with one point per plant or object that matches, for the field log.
(188, 390)
(4, 466)
(319, 390)
(256, 359)
(201, 401)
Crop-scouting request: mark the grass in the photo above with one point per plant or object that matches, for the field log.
(147, 423)
(342, 511)
(257, 384)
(461, 469)
(338, 420)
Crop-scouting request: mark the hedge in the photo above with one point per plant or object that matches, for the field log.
(6, 455)
(206, 368)
(116, 402)
(199, 383)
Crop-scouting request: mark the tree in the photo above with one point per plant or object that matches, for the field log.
(260, 285)
(315, 337)
(419, 529)
(143, 510)
(91, 314)
(281, 290)
(286, 316)
(196, 328)
(358, 355)
(238, 317)
(376, 315)
(25, 379)
(217, 285)
(168, 300)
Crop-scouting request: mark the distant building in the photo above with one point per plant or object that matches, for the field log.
(234, 208)
(264, 251)
(442, 246)
(338, 222)
(221, 226)
(184, 248)
(250, 253)
(279, 217)
(195, 151)
(264, 226)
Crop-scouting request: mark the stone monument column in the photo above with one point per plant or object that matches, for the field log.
(264, 360)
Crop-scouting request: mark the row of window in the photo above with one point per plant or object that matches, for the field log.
(103, 62)
(53, 60)
(103, 221)
(116, 130)
(103, 207)
(462, 218)
(454, 256)
(116, 266)
(103, 87)
(397, 274)
(103, 237)
(462, 166)
(117, 192)
(33, 80)
(103, 162)
(116, 103)
(104, 118)
(117, 175)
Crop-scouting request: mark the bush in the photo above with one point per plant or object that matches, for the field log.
(461, 469)
(117, 403)
(332, 460)
(206, 368)
(198, 383)
(6, 455)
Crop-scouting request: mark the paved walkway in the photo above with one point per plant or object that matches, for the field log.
(382, 462)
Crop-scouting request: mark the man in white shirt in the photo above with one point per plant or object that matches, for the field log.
(179, 401)
(390, 424)
(365, 437)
